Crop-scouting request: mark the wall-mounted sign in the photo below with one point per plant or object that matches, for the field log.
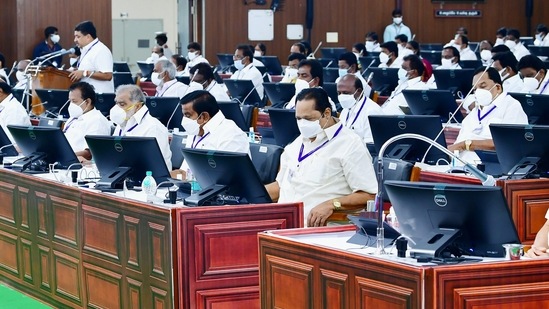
(458, 13)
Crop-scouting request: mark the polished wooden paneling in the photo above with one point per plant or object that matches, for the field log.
(245, 297)
(510, 296)
(282, 273)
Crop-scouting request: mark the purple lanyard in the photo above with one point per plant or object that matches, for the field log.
(484, 116)
(193, 145)
(161, 94)
(134, 126)
(69, 125)
(544, 87)
(357, 114)
(82, 56)
(302, 157)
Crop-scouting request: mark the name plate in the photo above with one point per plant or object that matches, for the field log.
(458, 13)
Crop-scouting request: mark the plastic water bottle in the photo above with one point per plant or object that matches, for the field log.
(149, 186)
(195, 187)
(251, 135)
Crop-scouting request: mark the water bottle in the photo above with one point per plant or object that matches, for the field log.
(251, 135)
(195, 187)
(149, 186)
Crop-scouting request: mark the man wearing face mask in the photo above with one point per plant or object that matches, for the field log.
(462, 44)
(132, 118)
(163, 77)
(20, 75)
(290, 73)
(180, 64)
(371, 42)
(493, 105)
(348, 64)
(243, 62)
(309, 75)
(327, 167)
(84, 119)
(506, 64)
(401, 41)
(156, 55)
(388, 57)
(512, 40)
(485, 48)
(11, 111)
(534, 75)
(541, 36)
(202, 74)
(450, 61)
(195, 57)
(357, 106)
(500, 36)
(49, 45)
(207, 127)
(396, 28)
(410, 75)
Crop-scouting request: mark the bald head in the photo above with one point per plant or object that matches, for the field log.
(350, 84)
(22, 64)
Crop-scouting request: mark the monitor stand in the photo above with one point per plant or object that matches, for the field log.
(206, 195)
(434, 244)
(400, 151)
(523, 168)
(26, 163)
(114, 179)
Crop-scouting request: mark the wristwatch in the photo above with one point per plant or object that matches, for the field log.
(85, 74)
(468, 144)
(337, 204)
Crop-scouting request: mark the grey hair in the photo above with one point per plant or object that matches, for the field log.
(168, 67)
(136, 95)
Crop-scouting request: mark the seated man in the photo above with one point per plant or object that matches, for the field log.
(541, 245)
(388, 57)
(493, 105)
(357, 106)
(534, 75)
(512, 40)
(202, 74)
(132, 118)
(84, 119)
(309, 75)
(243, 62)
(410, 75)
(163, 77)
(450, 58)
(195, 57)
(156, 55)
(290, 73)
(348, 64)
(11, 111)
(180, 64)
(402, 41)
(207, 127)
(506, 64)
(20, 75)
(298, 48)
(462, 44)
(327, 167)
(371, 42)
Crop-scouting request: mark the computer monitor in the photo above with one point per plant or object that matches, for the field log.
(536, 107)
(104, 102)
(272, 64)
(284, 125)
(120, 66)
(7, 149)
(331, 90)
(244, 91)
(454, 80)
(328, 62)
(122, 78)
(54, 101)
(225, 178)
(231, 110)
(332, 52)
(384, 127)
(167, 110)
(452, 218)
(279, 93)
(146, 68)
(431, 46)
(225, 61)
(384, 80)
(183, 79)
(470, 64)
(523, 150)
(433, 56)
(433, 102)
(369, 62)
(330, 74)
(120, 158)
(42, 146)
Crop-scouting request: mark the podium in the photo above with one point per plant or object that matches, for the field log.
(47, 78)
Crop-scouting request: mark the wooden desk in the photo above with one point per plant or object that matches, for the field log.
(297, 274)
(83, 249)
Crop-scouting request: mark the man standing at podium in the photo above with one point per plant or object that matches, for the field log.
(95, 63)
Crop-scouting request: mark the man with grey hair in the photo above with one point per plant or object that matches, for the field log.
(132, 118)
(163, 77)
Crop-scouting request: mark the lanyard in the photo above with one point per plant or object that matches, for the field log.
(544, 87)
(484, 116)
(193, 145)
(302, 157)
(82, 56)
(134, 126)
(356, 117)
(68, 125)
(162, 94)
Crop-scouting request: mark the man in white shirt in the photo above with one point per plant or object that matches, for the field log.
(348, 64)
(156, 55)
(372, 42)
(162, 40)
(534, 75)
(357, 106)
(327, 167)
(309, 75)
(84, 119)
(541, 244)
(462, 44)
(512, 40)
(410, 75)
(20, 75)
(180, 63)
(396, 28)
(207, 127)
(95, 64)
(450, 58)
(132, 118)
(11, 111)
(506, 64)
(290, 73)
(195, 57)
(202, 74)
(163, 77)
(388, 57)
(493, 105)
(243, 62)
(541, 36)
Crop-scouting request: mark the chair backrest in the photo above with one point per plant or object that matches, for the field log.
(176, 145)
(50, 122)
(248, 112)
(122, 78)
(266, 160)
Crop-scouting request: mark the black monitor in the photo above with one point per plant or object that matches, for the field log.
(225, 61)
(331, 90)
(454, 80)
(279, 93)
(18, 94)
(330, 74)
(328, 62)
(225, 178)
(433, 56)
(122, 78)
(120, 66)
(167, 110)
(446, 218)
(104, 102)
(231, 110)
(146, 68)
(284, 125)
(536, 107)
(42, 146)
(433, 102)
(470, 64)
(272, 64)
(523, 150)
(369, 62)
(183, 79)
(244, 92)
(54, 101)
(120, 158)
(431, 46)
(384, 127)
(384, 80)
(542, 51)
(7, 149)
(332, 52)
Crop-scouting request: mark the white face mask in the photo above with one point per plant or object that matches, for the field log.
(483, 97)
(499, 41)
(192, 55)
(402, 74)
(538, 37)
(370, 45)
(117, 115)
(511, 44)
(55, 38)
(257, 53)
(503, 74)
(397, 20)
(405, 52)
(191, 126)
(291, 72)
(20, 76)
(301, 84)
(531, 83)
(383, 58)
(343, 72)
(76, 111)
(308, 128)
(72, 61)
(446, 63)
(155, 78)
(238, 64)
(486, 55)
(357, 55)
(347, 100)
(154, 56)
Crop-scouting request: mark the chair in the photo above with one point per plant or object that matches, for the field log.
(330, 74)
(266, 160)
(176, 145)
(50, 122)
(248, 112)
(122, 78)
(121, 67)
